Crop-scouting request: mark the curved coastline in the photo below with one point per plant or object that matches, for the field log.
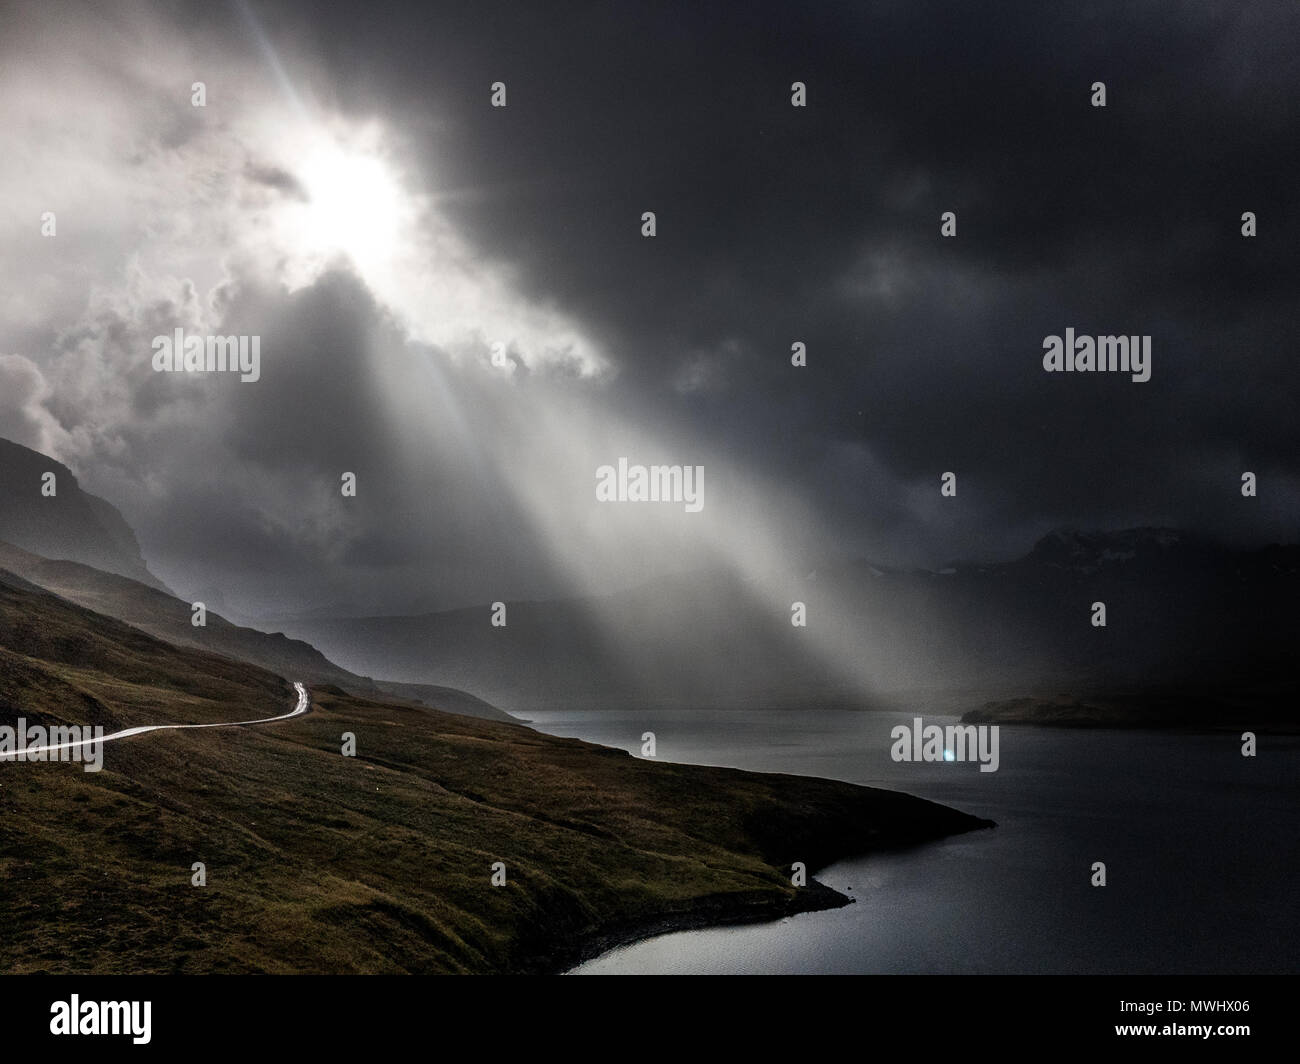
(756, 907)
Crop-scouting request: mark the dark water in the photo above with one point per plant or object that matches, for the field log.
(1201, 846)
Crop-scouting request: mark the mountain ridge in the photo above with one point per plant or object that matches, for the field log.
(1182, 609)
(166, 617)
(71, 524)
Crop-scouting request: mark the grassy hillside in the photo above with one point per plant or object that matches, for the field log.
(381, 862)
(169, 618)
(60, 663)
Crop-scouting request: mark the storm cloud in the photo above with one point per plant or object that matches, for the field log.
(349, 194)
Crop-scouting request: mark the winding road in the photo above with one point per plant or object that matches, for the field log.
(304, 703)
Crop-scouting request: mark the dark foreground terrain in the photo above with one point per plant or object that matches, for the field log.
(382, 862)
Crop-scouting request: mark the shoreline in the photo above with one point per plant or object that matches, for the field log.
(720, 911)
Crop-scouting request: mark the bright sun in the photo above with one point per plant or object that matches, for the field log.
(354, 206)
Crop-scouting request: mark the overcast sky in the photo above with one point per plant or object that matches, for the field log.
(350, 195)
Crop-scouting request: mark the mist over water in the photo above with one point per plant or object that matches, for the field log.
(1197, 841)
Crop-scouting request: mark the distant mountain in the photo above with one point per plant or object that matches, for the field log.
(71, 524)
(1149, 549)
(166, 617)
(697, 640)
(79, 547)
(436, 696)
(1182, 612)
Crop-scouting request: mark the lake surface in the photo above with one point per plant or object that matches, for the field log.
(1201, 846)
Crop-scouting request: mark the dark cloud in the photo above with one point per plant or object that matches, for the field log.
(821, 225)
(278, 179)
(1118, 219)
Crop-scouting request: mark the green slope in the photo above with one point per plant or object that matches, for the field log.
(381, 862)
(169, 618)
